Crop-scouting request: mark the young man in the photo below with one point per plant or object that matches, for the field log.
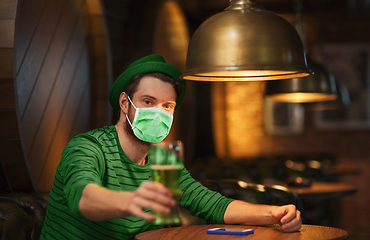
(102, 189)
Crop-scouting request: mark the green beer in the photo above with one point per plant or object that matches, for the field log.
(169, 176)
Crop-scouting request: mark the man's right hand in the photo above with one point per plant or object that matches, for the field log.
(150, 195)
(100, 204)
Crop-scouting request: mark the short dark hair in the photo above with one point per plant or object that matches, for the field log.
(132, 87)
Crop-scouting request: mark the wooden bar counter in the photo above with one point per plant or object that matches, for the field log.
(195, 232)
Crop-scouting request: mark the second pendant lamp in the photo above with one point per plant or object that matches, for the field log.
(318, 87)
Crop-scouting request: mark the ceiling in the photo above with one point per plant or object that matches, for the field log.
(287, 6)
(332, 20)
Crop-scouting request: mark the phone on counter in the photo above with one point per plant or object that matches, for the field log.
(230, 231)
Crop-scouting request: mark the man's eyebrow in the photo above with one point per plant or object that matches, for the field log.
(154, 98)
(148, 96)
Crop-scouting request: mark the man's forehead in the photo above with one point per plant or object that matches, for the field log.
(156, 88)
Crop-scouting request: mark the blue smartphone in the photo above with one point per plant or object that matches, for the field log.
(230, 231)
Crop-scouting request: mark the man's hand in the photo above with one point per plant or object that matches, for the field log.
(101, 204)
(150, 195)
(240, 212)
(288, 217)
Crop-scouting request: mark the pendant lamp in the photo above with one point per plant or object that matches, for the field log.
(245, 42)
(343, 101)
(318, 87)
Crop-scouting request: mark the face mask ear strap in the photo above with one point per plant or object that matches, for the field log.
(135, 109)
(128, 120)
(131, 102)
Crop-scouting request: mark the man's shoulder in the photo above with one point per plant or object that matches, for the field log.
(102, 132)
(99, 133)
(98, 136)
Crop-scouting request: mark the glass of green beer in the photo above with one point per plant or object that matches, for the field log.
(166, 162)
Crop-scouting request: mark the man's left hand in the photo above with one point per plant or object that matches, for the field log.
(288, 217)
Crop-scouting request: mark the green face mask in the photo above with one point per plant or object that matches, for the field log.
(150, 124)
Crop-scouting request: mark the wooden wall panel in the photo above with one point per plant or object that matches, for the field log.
(9, 151)
(101, 113)
(18, 177)
(59, 61)
(29, 13)
(55, 97)
(7, 94)
(39, 141)
(46, 60)
(83, 116)
(7, 33)
(13, 171)
(9, 123)
(35, 54)
(48, 124)
(8, 8)
(13, 162)
(75, 104)
(6, 60)
(68, 115)
(51, 67)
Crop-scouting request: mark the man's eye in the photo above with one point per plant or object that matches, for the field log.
(147, 102)
(169, 106)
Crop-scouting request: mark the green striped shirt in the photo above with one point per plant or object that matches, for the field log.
(97, 157)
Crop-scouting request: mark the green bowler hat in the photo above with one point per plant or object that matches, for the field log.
(148, 64)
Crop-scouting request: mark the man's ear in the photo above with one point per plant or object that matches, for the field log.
(123, 102)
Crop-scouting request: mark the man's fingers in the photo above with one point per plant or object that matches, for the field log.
(153, 197)
(285, 213)
(152, 205)
(156, 193)
(155, 187)
(287, 217)
(279, 214)
(294, 224)
(140, 213)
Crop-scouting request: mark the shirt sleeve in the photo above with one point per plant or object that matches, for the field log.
(201, 201)
(81, 163)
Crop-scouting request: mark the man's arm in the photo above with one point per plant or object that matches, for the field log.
(100, 204)
(239, 212)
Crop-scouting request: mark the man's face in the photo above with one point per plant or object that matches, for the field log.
(152, 92)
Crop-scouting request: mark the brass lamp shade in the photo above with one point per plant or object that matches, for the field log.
(318, 87)
(245, 42)
(343, 101)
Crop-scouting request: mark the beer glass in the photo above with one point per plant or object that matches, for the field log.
(166, 162)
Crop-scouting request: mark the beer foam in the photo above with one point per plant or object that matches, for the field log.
(165, 167)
